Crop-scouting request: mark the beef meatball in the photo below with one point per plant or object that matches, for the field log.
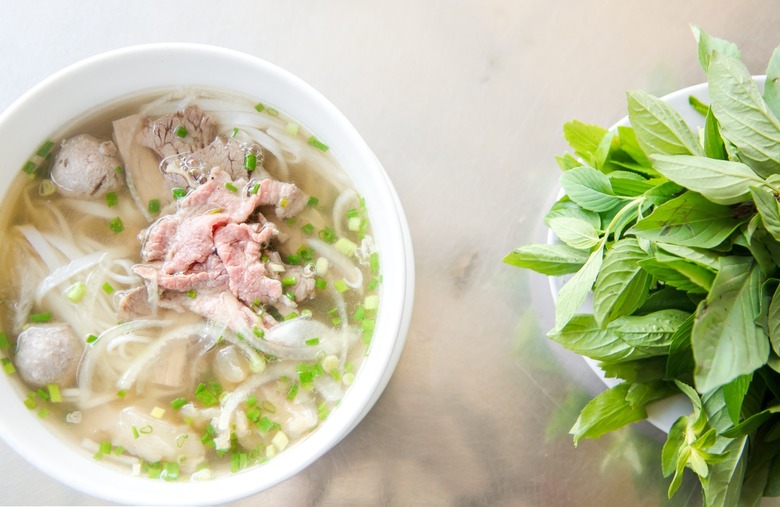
(48, 354)
(86, 167)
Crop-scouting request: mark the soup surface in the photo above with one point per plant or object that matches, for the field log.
(189, 285)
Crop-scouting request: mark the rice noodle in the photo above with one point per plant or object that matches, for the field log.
(353, 276)
(48, 255)
(66, 272)
(346, 200)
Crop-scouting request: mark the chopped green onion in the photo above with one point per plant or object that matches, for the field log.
(255, 188)
(91, 338)
(373, 261)
(121, 393)
(116, 225)
(291, 221)
(46, 188)
(119, 169)
(118, 450)
(292, 128)
(43, 412)
(235, 132)
(43, 394)
(231, 187)
(180, 132)
(293, 259)
(353, 224)
(327, 235)
(45, 149)
(39, 318)
(312, 202)
(271, 111)
(371, 302)
(250, 162)
(181, 439)
(320, 283)
(157, 412)
(29, 167)
(111, 199)
(258, 332)
(251, 400)
(288, 281)
(8, 366)
(254, 413)
(146, 430)
(341, 286)
(5, 344)
(323, 411)
(360, 313)
(265, 424)
(178, 403)
(170, 471)
(259, 107)
(268, 407)
(30, 403)
(108, 288)
(105, 447)
(307, 229)
(76, 292)
(317, 143)
(208, 394)
(192, 294)
(154, 206)
(135, 432)
(345, 246)
(54, 393)
(178, 193)
(313, 342)
(348, 379)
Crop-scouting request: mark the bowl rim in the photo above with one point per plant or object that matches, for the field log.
(38, 444)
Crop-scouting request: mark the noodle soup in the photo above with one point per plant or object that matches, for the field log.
(191, 284)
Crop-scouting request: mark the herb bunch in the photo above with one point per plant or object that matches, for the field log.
(673, 235)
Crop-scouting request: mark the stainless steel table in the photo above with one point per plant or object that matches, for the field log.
(463, 101)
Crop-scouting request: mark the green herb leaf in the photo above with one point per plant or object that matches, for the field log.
(728, 312)
(576, 289)
(621, 286)
(720, 181)
(552, 260)
(606, 412)
(707, 44)
(659, 128)
(589, 188)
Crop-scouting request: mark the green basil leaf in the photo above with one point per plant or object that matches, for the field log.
(630, 146)
(714, 147)
(723, 485)
(551, 260)
(768, 208)
(671, 276)
(720, 181)
(700, 256)
(745, 120)
(568, 208)
(668, 298)
(674, 442)
(734, 395)
(625, 338)
(576, 289)
(772, 84)
(680, 362)
(773, 321)
(574, 232)
(606, 412)
(567, 161)
(660, 129)
(589, 188)
(621, 286)
(707, 44)
(644, 370)
(584, 139)
(728, 312)
(688, 220)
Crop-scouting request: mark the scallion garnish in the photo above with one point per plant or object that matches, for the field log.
(180, 132)
(312, 202)
(8, 366)
(45, 149)
(345, 246)
(108, 288)
(39, 318)
(341, 285)
(192, 294)
(250, 162)
(312, 342)
(293, 259)
(317, 143)
(235, 132)
(320, 283)
(288, 281)
(373, 262)
(371, 302)
(231, 187)
(178, 193)
(178, 403)
(271, 111)
(259, 107)
(5, 344)
(54, 393)
(116, 225)
(307, 228)
(76, 292)
(154, 206)
(119, 169)
(255, 188)
(265, 424)
(91, 338)
(292, 128)
(327, 235)
(111, 199)
(29, 167)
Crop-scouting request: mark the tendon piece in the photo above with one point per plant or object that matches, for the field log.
(184, 131)
(144, 180)
(48, 354)
(85, 166)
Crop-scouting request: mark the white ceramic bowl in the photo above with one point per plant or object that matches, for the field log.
(96, 81)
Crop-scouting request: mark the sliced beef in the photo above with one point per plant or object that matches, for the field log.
(227, 154)
(184, 131)
(48, 354)
(85, 166)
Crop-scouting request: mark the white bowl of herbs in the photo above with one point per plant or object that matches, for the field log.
(666, 258)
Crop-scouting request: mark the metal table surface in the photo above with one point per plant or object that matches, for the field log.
(463, 101)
